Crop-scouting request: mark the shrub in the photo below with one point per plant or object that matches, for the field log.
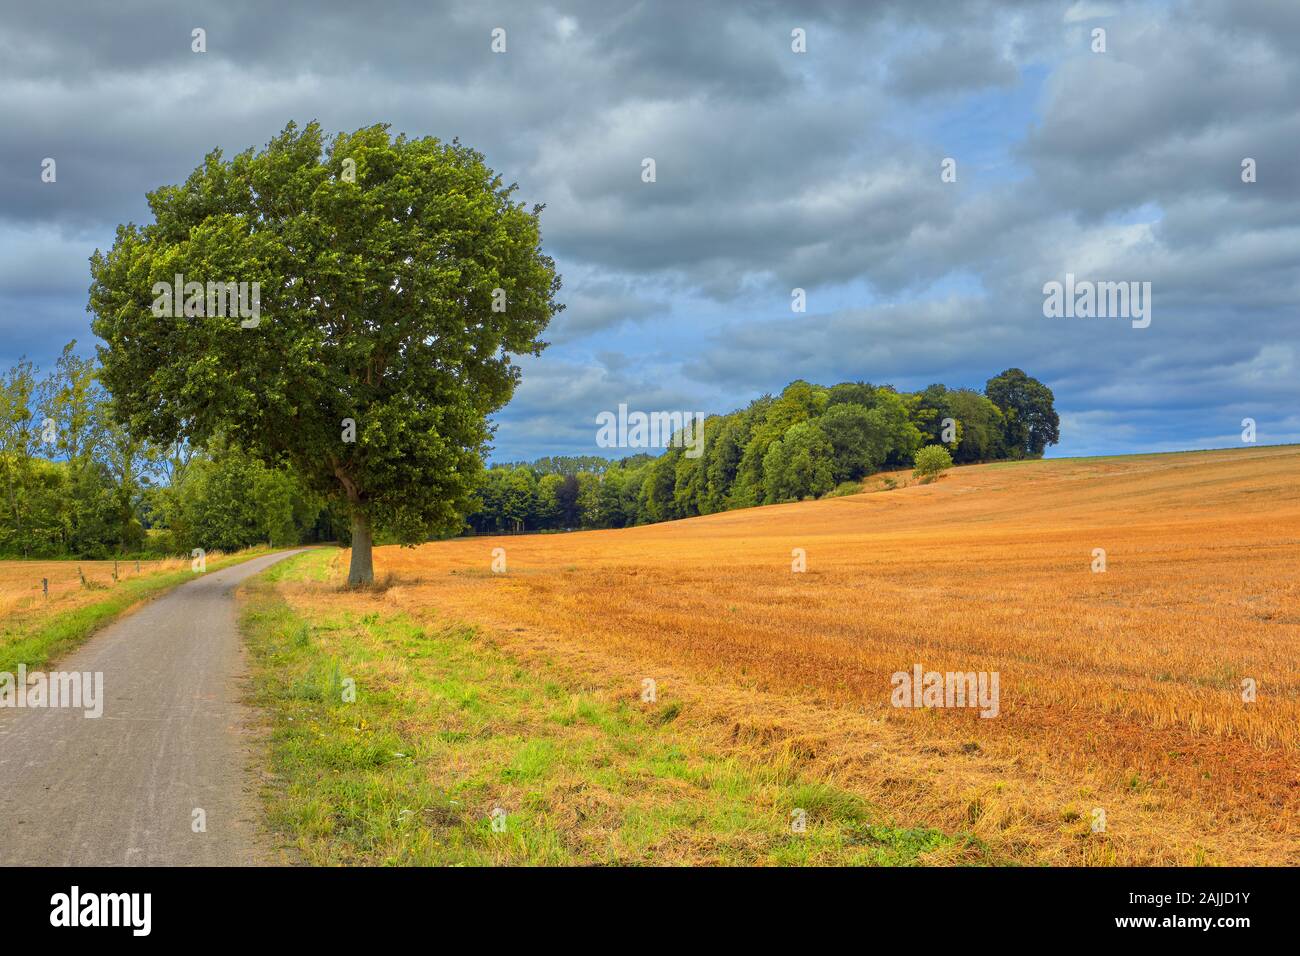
(931, 461)
(844, 488)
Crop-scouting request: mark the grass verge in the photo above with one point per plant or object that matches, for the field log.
(396, 742)
(36, 641)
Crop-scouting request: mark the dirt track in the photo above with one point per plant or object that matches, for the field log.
(122, 789)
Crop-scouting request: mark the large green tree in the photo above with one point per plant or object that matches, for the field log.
(1027, 405)
(17, 456)
(981, 427)
(891, 418)
(858, 440)
(798, 465)
(229, 500)
(398, 277)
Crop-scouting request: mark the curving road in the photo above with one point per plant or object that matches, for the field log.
(122, 789)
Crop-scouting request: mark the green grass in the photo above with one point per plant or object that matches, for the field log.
(35, 641)
(844, 488)
(446, 728)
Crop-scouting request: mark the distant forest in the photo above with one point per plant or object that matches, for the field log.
(807, 442)
(75, 483)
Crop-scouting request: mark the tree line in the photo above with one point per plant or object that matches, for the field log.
(74, 482)
(808, 442)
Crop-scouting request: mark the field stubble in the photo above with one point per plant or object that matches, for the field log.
(1120, 691)
(21, 593)
(36, 628)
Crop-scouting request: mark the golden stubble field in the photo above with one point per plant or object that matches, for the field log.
(22, 595)
(1121, 691)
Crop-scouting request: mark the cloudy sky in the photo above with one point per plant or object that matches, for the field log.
(775, 170)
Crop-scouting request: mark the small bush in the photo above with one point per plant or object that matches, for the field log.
(844, 488)
(931, 461)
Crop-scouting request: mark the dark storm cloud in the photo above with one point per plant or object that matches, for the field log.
(774, 170)
(1169, 112)
(601, 304)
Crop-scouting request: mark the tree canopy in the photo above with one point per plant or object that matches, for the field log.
(397, 279)
(1027, 404)
(804, 443)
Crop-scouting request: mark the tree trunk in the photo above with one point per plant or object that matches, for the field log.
(362, 570)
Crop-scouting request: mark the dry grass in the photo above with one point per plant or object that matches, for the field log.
(446, 730)
(21, 594)
(1119, 691)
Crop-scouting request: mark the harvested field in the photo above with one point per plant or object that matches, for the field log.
(1120, 691)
